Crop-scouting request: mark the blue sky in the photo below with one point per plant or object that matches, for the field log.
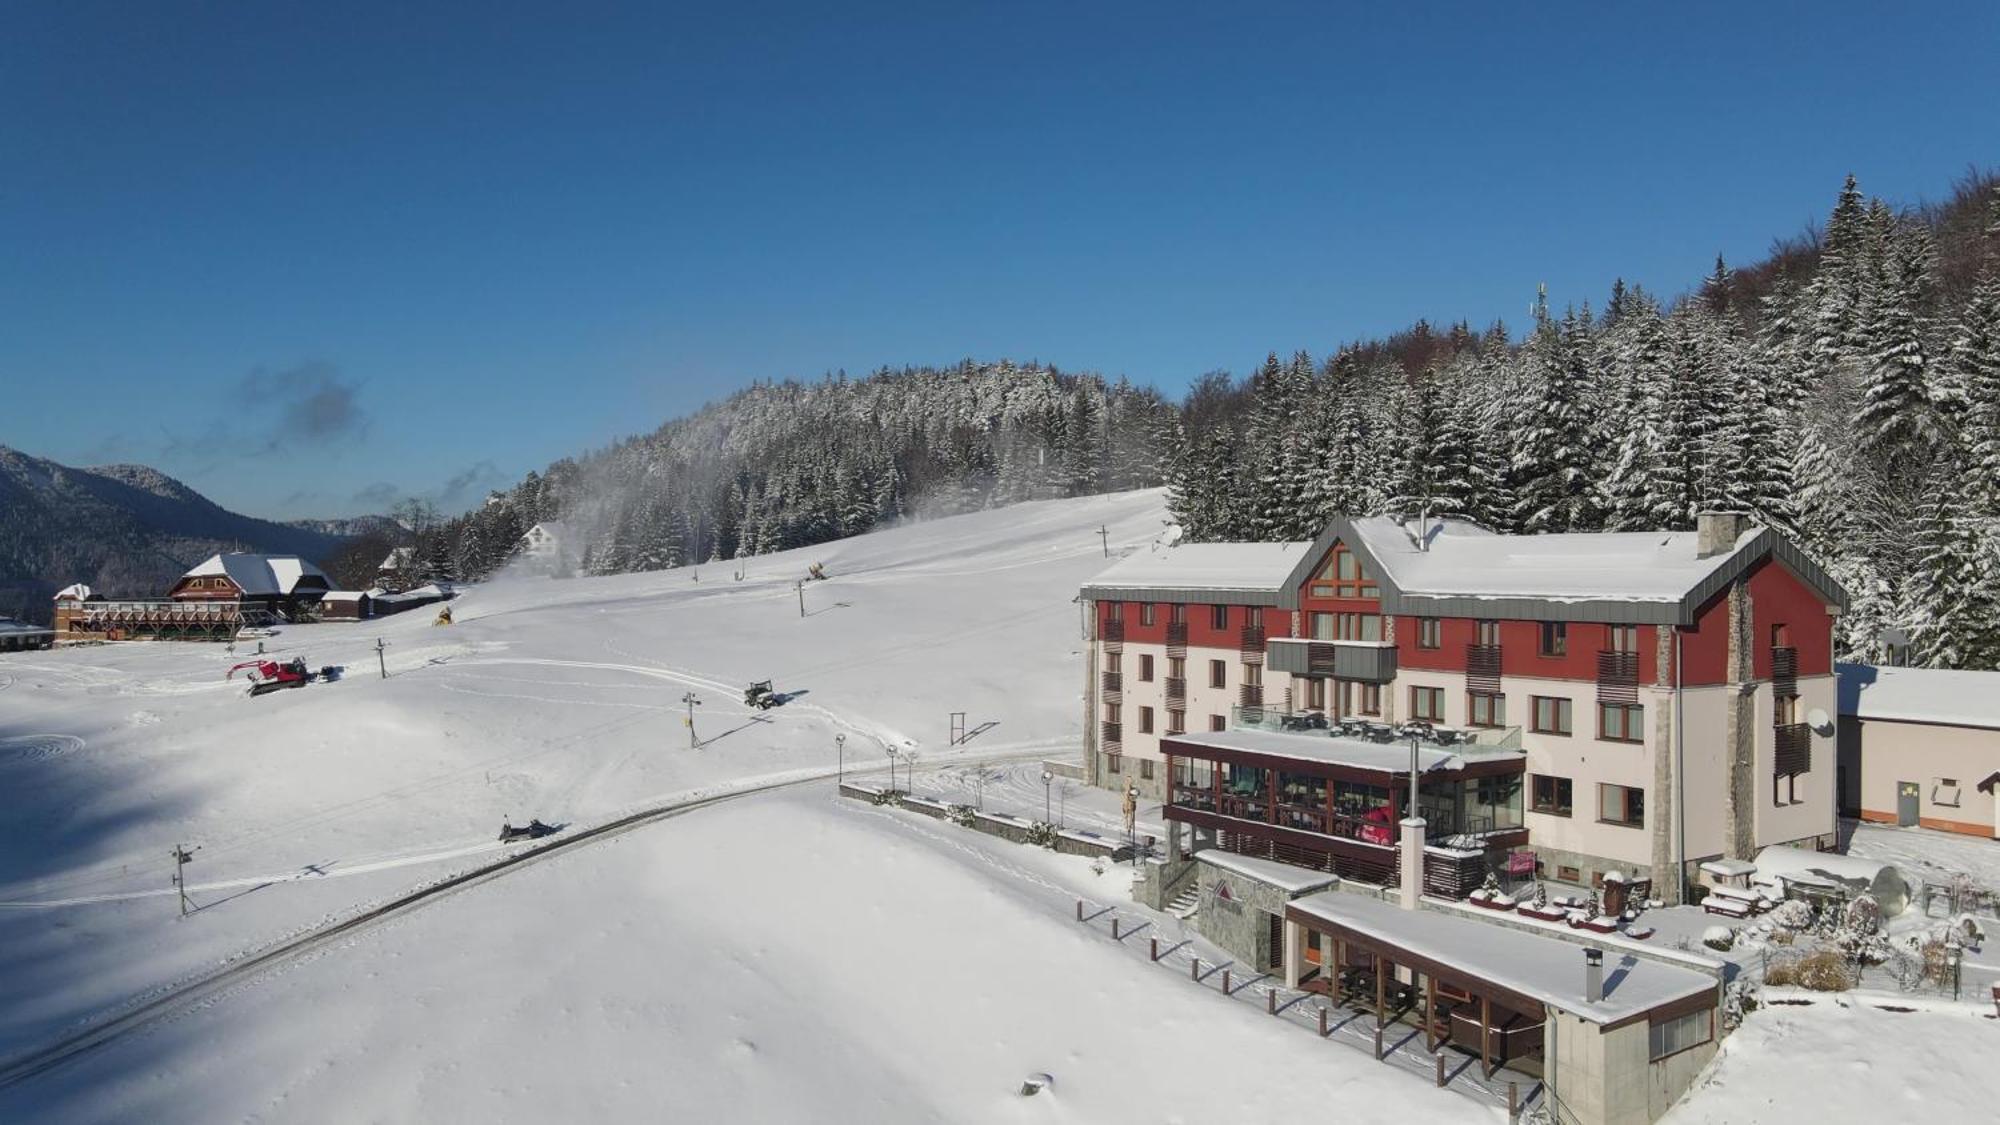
(313, 257)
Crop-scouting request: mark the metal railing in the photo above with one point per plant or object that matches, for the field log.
(1113, 683)
(1482, 669)
(1794, 750)
(1617, 677)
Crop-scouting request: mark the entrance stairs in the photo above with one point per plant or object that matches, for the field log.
(1186, 904)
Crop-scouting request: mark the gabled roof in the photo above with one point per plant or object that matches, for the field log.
(398, 558)
(75, 593)
(1920, 695)
(1463, 570)
(1460, 569)
(259, 575)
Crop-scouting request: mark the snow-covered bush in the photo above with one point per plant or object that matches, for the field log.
(1863, 916)
(1792, 915)
(1720, 938)
(886, 797)
(1825, 971)
(963, 815)
(1043, 834)
(1540, 898)
(1739, 1001)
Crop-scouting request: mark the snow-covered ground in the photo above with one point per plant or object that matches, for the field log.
(1836, 1059)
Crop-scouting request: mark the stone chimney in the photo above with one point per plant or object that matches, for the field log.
(1593, 975)
(1716, 532)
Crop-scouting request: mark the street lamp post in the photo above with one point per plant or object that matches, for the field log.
(840, 759)
(1048, 776)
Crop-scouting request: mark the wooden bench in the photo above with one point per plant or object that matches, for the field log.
(1718, 904)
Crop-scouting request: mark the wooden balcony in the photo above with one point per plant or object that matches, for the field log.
(1482, 669)
(1251, 644)
(1793, 755)
(1784, 672)
(1618, 677)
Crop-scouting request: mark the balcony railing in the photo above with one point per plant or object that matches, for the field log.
(1113, 683)
(1251, 644)
(1177, 634)
(1482, 669)
(1784, 672)
(1794, 750)
(1113, 634)
(1251, 695)
(1113, 736)
(1176, 691)
(1618, 677)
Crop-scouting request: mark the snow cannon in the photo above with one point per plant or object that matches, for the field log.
(443, 617)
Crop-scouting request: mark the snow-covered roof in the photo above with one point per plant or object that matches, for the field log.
(430, 593)
(344, 596)
(398, 558)
(1390, 756)
(1285, 877)
(1547, 969)
(1241, 570)
(258, 575)
(77, 592)
(1461, 560)
(1920, 695)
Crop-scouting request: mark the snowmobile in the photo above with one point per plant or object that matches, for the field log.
(760, 696)
(533, 830)
(271, 675)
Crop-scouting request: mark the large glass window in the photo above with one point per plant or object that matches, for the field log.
(1430, 632)
(1322, 627)
(1491, 804)
(1670, 1037)
(1427, 703)
(1555, 638)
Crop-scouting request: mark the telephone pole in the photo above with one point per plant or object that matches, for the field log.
(1104, 534)
(381, 660)
(693, 701)
(183, 855)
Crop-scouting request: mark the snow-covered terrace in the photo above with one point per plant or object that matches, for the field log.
(1352, 753)
(1548, 970)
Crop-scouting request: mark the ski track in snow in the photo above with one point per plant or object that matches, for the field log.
(26, 749)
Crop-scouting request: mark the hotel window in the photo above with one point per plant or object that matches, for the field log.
(1360, 626)
(1112, 662)
(1177, 614)
(1176, 722)
(1322, 626)
(1111, 712)
(1552, 715)
(1430, 632)
(1427, 703)
(1146, 667)
(1623, 638)
(1621, 722)
(1552, 795)
(1371, 699)
(1621, 804)
(1488, 633)
(1145, 769)
(1145, 720)
(1218, 616)
(1555, 638)
(1114, 763)
(1117, 611)
(1315, 695)
(1253, 675)
(1218, 674)
(1217, 722)
(1486, 710)
(1785, 710)
(1343, 576)
(1672, 1036)
(1176, 668)
(1146, 613)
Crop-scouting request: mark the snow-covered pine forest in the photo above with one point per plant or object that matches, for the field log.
(1847, 389)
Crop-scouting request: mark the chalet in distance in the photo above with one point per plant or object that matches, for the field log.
(212, 601)
(1632, 702)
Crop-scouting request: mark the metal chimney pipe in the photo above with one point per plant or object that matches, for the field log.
(1593, 975)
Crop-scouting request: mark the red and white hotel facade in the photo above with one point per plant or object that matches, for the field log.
(1633, 701)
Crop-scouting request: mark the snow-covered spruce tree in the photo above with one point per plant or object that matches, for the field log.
(1975, 362)
(1555, 452)
(1953, 606)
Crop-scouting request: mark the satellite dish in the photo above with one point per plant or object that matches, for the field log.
(1819, 721)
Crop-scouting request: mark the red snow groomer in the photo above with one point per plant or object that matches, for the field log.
(271, 675)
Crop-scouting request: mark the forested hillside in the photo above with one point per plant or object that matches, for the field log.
(1846, 389)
